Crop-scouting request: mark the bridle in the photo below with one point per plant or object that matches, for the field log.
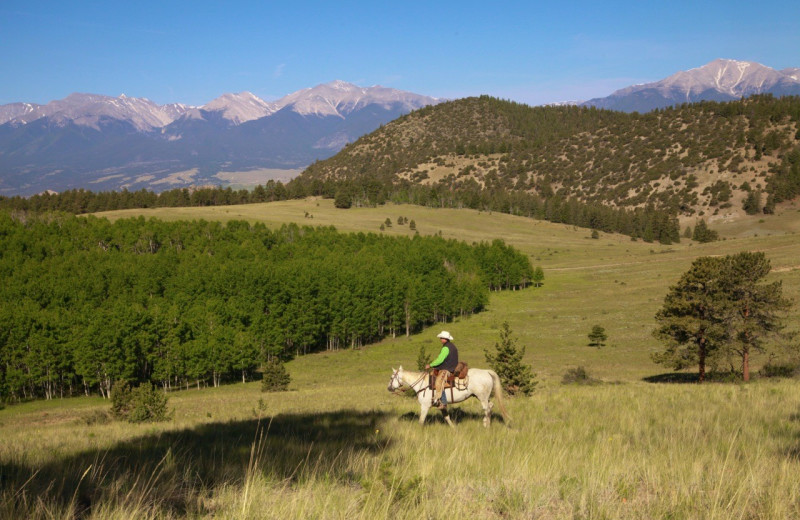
(401, 383)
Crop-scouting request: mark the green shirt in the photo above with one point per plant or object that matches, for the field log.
(442, 356)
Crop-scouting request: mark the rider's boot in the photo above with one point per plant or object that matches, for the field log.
(441, 403)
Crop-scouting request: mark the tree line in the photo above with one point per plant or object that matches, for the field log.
(648, 223)
(86, 302)
(79, 201)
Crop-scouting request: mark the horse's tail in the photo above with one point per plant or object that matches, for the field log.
(498, 392)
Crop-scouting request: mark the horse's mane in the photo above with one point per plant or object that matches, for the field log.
(415, 374)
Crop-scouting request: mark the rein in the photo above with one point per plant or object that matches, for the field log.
(403, 383)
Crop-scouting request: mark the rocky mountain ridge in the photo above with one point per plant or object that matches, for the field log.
(105, 143)
(719, 80)
(337, 98)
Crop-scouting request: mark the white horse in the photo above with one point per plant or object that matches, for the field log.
(479, 383)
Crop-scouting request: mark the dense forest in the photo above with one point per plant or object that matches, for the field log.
(86, 302)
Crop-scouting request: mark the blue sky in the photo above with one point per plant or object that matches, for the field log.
(531, 52)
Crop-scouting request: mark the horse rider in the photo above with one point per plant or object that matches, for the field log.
(445, 363)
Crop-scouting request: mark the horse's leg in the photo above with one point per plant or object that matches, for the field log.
(424, 406)
(447, 416)
(487, 411)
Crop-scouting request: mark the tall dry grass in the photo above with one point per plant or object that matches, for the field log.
(632, 450)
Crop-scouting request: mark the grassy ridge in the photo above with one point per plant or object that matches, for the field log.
(339, 445)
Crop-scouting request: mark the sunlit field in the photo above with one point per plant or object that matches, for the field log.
(338, 445)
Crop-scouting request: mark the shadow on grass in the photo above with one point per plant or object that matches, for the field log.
(684, 378)
(672, 377)
(171, 471)
(457, 415)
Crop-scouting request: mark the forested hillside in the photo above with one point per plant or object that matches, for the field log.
(696, 159)
(85, 302)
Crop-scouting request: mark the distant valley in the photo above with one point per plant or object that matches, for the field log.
(105, 143)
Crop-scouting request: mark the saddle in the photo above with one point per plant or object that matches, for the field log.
(461, 372)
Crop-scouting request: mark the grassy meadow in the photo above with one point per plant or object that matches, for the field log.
(338, 445)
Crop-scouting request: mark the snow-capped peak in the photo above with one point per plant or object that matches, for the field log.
(721, 79)
(89, 109)
(339, 98)
(241, 107)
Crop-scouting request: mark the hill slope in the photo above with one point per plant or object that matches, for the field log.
(692, 160)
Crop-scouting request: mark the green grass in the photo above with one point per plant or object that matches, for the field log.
(338, 445)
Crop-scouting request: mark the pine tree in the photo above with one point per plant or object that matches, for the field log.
(755, 310)
(703, 234)
(276, 378)
(517, 378)
(752, 203)
(597, 336)
(692, 321)
(423, 358)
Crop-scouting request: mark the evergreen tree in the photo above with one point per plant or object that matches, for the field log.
(752, 203)
(276, 378)
(692, 321)
(423, 358)
(703, 234)
(506, 360)
(597, 336)
(141, 404)
(755, 310)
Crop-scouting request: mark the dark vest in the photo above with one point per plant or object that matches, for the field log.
(451, 360)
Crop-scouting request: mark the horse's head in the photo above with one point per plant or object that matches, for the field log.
(397, 379)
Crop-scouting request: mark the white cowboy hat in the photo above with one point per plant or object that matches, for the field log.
(446, 335)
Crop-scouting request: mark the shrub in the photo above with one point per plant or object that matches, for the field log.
(578, 376)
(97, 417)
(144, 403)
(276, 378)
(779, 370)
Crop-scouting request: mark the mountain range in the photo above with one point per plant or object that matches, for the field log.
(720, 80)
(108, 143)
(102, 142)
